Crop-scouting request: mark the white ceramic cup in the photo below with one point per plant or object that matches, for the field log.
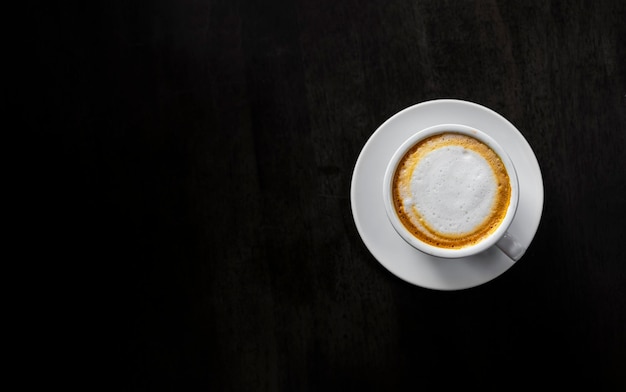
(499, 237)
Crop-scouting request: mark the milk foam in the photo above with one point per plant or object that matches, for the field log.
(454, 190)
(451, 190)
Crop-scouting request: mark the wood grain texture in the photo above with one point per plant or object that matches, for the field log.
(211, 145)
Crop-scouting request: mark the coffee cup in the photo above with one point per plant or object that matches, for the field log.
(452, 191)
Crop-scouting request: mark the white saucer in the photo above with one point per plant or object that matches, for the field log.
(378, 234)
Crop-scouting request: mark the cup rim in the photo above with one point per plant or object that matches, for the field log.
(445, 252)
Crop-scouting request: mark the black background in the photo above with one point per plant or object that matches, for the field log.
(194, 187)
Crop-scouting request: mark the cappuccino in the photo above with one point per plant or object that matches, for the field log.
(451, 190)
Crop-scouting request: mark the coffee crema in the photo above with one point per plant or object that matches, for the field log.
(451, 190)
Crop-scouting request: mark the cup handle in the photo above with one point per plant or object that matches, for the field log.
(511, 247)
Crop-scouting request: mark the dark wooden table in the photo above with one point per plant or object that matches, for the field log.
(203, 179)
